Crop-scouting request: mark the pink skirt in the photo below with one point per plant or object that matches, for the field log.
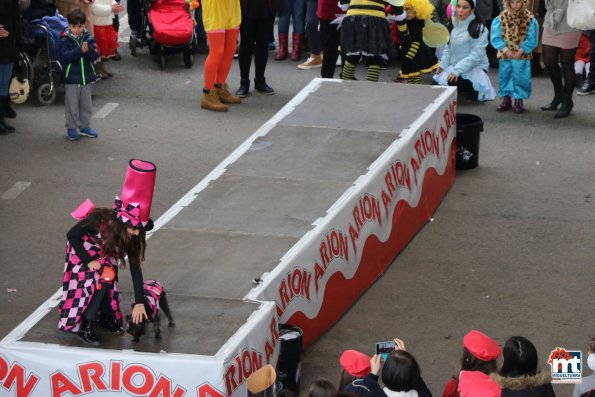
(565, 41)
(107, 40)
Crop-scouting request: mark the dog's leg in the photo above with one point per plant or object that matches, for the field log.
(164, 305)
(157, 326)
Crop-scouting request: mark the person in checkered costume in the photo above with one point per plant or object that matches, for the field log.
(96, 249)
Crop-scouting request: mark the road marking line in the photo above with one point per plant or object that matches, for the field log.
(105, 110)
(15, 190)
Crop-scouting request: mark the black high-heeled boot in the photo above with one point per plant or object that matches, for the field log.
(87, 334)
(553, 105)
(566, 107)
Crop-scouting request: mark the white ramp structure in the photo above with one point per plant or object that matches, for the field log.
(315, 206)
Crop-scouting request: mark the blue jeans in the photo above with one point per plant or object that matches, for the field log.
(295, 9)
(5, 76)
(312, 31)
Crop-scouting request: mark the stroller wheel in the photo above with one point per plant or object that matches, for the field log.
(188, 58)
(46, 94)
(132, 44)
(162, 61)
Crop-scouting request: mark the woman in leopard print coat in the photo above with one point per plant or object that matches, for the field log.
(514, 34)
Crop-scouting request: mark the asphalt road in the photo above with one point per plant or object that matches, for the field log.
(509, 251)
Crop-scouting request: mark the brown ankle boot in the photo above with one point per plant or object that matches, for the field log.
(225, 96)
(211, 101)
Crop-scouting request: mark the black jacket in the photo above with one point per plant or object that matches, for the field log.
(78, 66)
(538, 385)
(11, 20)
(363, 386)
(421, 388)
(257, 9)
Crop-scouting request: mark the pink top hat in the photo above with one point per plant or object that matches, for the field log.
(133, 207)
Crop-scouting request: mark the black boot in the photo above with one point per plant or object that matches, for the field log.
(10, 113)
(553, 105)
(109, 322)
(5, 128)
(261, 86)
(88, 335)
(242, 92)
(566, 107)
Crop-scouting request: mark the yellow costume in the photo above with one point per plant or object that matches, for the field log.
(221, 14)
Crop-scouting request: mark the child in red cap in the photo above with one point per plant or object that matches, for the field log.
(480, 353)
(360, 372)
(477, 384)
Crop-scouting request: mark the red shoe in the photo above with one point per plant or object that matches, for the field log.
(296, 46)
(505, 104)
(282, 53)
(518, 106)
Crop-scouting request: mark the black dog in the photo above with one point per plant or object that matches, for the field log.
(137, 330)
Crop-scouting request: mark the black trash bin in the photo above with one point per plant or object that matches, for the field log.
(290, 356)
(469, 127)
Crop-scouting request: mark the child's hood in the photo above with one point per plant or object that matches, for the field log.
(68, 33)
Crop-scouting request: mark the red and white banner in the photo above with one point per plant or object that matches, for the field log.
(331, 266)
(46, 370)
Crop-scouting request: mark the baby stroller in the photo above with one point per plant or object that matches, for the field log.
(167, 27)
(42, 38)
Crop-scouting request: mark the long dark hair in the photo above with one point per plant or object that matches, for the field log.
(471, 363)
(116, 241)
(520, 357)
(400, 372)
(476, 26)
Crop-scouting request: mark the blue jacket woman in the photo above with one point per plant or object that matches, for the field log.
(78, 66)
(464, 61)
(463, 52)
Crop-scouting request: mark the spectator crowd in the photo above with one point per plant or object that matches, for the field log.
(444, 42)
(396, 373)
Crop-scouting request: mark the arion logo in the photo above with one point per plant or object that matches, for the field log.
(566, 365)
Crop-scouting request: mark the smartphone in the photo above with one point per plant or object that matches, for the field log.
(384, 349)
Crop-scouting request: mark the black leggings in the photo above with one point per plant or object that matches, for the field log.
(332, 37)
(100, 302)
(254, 39)
(562, 78)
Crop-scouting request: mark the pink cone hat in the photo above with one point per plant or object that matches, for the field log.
(83, 210)
(133, 207)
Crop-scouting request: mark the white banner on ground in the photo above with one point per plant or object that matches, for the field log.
(45, 370)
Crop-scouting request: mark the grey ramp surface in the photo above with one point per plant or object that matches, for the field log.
(203, 325)
(406, 103)
(300, 152)
(259, 205)
(220, 265)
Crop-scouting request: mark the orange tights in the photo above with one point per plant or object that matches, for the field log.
(222, 45)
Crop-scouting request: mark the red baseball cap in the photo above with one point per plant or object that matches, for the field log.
(355, 363)
(477, 384)
(481, 346)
